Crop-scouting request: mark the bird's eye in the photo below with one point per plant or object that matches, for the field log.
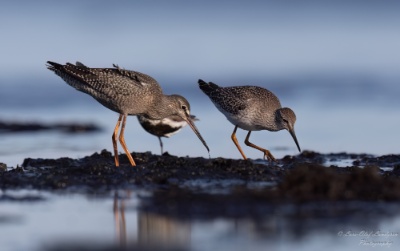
(184, 107)
(285, 120)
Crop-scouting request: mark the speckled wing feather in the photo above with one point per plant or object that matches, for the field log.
(228, 99)
(234, 100)
(109, 82)
(137, 77)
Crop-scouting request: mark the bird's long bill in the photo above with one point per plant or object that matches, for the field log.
(295, 139)
(196, 131)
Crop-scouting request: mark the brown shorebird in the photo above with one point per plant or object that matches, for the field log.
(165, 127)
(251, 108)
(127, 93)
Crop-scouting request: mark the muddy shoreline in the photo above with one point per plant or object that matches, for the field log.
(304, 177)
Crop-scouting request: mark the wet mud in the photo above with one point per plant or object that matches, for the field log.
(304, 177)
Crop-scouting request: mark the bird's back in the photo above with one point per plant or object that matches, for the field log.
(235, 99)
(115, 88)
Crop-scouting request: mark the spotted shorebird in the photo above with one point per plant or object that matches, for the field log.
(165, 127)
(251, 108)
(127, 93)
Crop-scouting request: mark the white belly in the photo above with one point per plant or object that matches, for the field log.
(244, 122)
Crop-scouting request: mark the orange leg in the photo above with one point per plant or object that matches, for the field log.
(265, 151)
(234, 139)
(114, 140)
(122, 141)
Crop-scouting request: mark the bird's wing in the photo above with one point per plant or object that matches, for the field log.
(228, 99)
(136, 77)
(106, 81)
(123, 82)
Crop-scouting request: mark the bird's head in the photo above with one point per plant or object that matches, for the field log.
(286, 120)
(181, 107)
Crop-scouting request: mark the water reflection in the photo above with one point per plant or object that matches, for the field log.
(153, 230)
(156, 230)
(234, 222)
(121, 221)
(119, 218)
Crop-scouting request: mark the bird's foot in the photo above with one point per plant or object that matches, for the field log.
(269, 156)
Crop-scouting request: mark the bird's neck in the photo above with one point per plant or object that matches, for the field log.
(278, 122)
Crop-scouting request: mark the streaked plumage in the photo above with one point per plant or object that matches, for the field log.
(251, 108)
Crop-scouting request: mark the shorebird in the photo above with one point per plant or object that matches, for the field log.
(127, 93)
(165, 127)
(251, 108)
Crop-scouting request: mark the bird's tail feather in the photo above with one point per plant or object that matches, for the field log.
(53, 66)
(207, 87)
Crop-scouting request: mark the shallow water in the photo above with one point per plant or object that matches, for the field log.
(115, 219)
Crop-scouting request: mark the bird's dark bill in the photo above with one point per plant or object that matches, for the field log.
(295, 139)
(196, 131)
